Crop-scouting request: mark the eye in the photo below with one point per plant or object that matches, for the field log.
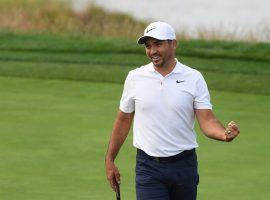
(147, 46)
(158, 43)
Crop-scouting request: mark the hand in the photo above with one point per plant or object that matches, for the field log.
(232, 131)
(113, 175)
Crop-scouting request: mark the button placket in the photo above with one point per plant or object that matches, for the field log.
(162, 81)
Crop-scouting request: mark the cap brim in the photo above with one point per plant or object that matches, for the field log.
(142, 39)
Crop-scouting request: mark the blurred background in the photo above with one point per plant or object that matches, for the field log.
(62, 68)
(241, 19)
(247, 20)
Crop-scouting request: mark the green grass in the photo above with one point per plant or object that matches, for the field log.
(66, 43)
(54, 136)
(227, 66)
(54, 132)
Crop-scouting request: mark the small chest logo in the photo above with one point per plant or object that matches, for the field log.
(180, 81)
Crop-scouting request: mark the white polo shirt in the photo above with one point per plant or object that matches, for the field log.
(164, 108)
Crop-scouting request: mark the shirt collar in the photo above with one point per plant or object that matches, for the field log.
(178, 68)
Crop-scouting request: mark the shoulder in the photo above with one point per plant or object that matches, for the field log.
(140, 70)
(189, 71)
(134, 75)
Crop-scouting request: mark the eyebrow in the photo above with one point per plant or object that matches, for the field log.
(155, 42)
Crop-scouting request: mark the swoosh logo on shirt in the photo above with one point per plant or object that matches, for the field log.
(180, 81)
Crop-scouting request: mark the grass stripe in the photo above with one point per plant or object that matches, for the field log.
(194, 48)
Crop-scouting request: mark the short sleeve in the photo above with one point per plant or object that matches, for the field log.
(127, 103)
(202, 96)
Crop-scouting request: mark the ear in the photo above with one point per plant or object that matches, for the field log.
(174, 43)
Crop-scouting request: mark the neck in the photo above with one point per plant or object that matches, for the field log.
(166, 68)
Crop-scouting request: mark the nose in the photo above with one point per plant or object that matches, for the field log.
(153, 50)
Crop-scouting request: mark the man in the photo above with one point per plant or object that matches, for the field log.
(164, 97)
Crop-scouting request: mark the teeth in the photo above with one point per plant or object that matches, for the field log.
(155, 57)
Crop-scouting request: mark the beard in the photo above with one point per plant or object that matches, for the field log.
(160, 61)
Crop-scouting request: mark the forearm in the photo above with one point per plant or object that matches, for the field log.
(213, 128)
(116, 141)
(119, 133)
(210, 125)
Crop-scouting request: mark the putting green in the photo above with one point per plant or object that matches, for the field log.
(54, 136)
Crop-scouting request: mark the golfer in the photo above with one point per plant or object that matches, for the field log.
(164, 97)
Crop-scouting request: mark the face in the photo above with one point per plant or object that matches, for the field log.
(160, 52)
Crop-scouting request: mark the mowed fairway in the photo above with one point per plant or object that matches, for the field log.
(54, 135)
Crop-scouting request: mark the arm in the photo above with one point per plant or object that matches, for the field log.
(212, 128)
(119, 133)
